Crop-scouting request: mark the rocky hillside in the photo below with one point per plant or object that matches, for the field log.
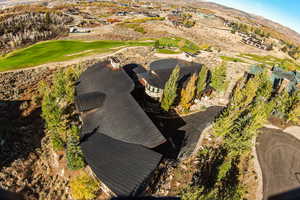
(18, 29)
(284, 32)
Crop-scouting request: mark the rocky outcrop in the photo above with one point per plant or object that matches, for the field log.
(34, 178)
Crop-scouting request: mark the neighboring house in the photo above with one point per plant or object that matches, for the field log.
(79, 30)
(117, 136)
(281, 79)
(206, 16)
(122, 13)
(148, 14)
(250, 40)
(175, 19)
(155, 78)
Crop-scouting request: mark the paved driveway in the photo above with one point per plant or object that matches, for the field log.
(194, 125)
(279, 158)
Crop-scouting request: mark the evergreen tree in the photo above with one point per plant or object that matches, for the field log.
(170, 90)
(201, 83)
(188, 94)
(218, 81)
(294, 115)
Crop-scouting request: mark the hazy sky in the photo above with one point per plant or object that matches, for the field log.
(285, 12)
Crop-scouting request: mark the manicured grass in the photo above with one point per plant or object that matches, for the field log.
(287, 64)
(232, 59)
(182, 44)
(63, 50)
(60, 50)
(135, 24)
(166, 51)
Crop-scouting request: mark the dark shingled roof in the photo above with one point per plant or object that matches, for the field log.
(120, 117)
(163, 69)
(116, 135)
(89, 101)
(121, 166)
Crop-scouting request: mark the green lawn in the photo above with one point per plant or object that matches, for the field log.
(166, 51)
(287, 64)
(60, 50)
(232, 59)
(182, 44)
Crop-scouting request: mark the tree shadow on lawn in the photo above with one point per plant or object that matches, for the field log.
(20, 133)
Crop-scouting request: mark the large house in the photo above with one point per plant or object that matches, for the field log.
(280, 78)
(253, 41)
(117, 136)
(158, 73)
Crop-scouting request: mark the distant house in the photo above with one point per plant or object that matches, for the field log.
(175, 19)
(155, 78)
(124, 4)
(117, 136)
(122, 13)
(206, 16)
(176, 12)
(250, 40)
(147, 14)
(78, 30)
(281, 79)
(289, 80)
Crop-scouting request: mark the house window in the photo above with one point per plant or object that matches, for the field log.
(152, 89)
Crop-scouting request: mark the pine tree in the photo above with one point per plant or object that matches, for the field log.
(218, 81)
(188, 94)
(294, 115)
(170, 90)
(201, 83)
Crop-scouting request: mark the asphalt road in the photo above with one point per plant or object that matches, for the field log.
(279, 158)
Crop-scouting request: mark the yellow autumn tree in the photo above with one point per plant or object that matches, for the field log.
(188, 93)
(84, 187)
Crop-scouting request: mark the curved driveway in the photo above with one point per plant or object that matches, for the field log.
(279, 158)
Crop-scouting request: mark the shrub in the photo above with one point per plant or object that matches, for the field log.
(188, 93)
(84, 187)
(75, 159)
(218, 81)
(170, 90)
(57, 142)
(294, 115)
(287, 105)
(201, 82)
(58, 113)
(218, 175)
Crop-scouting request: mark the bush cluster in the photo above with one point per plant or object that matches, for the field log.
(218, 81)
(288, 106)
(251, 104)
(60, 118)
(84, 187)
(194, 88)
